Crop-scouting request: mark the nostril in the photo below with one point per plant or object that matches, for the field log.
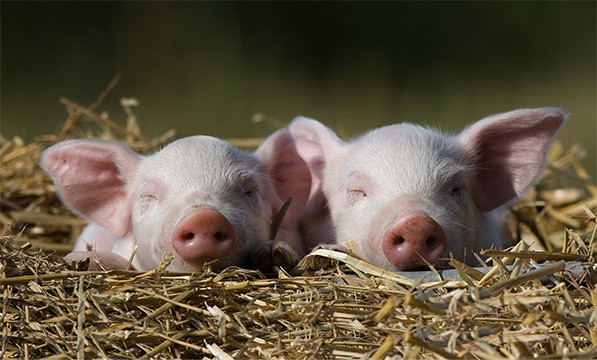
(399, 240)
(220, 236)
(431, 242)
(187, 235)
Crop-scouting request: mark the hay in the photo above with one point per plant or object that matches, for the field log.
(29, 203)
(537, 299)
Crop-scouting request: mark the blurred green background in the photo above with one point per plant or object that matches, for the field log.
(208, 67)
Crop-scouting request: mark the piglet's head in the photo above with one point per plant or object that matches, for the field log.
(198, 198)
(405, 195)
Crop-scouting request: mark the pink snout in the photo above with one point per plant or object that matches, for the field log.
(202, 236)
(411, 238)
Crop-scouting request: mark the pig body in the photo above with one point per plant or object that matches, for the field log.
(404, 195)
(198, 198)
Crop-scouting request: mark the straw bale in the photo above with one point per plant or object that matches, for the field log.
(535, 299)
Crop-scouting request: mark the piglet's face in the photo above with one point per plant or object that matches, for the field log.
(201, 200)
(403, 191)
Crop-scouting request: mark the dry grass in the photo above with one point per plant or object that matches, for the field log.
(525, 303)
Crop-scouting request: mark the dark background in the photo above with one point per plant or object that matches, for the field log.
(208, 67)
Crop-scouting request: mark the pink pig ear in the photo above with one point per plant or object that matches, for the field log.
(288, 170)
(511, 149)
(315, 143)
(91, 177)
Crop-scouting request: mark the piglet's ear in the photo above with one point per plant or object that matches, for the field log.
(511, 149)
(288, 170)
(315, 143)
(91, 177)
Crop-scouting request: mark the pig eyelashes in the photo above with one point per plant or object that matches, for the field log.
(248, 191)
(357, 185)
(248, 187)
(250, 194)
(456, 191)
(147, 201)
(354, 196)
(151, 192)
(357, 193)
(456, 186)
(457, 195)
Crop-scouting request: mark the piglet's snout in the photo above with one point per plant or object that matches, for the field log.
(412, 236)
(203, 235)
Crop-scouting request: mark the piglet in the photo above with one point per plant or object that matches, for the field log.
(198, 198)
(405, 195)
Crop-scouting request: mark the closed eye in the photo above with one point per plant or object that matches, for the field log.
(456, 187)
(246, 185)
(358, 185)
(152, 189)
(356, 192)
(250, 193)
(147, 201)
(249, 189)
